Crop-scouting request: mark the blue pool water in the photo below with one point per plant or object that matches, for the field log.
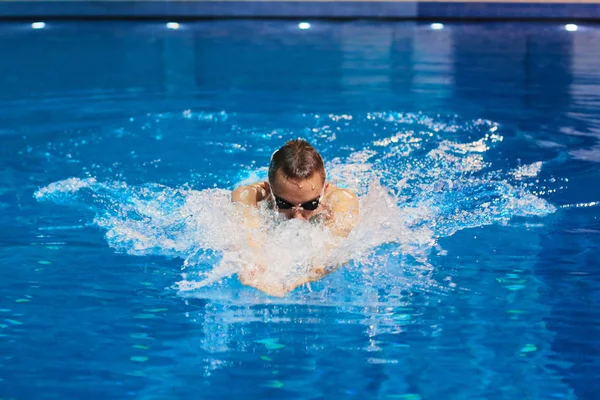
(472, 274)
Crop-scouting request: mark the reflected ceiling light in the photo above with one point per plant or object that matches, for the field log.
(172, 25)
(304, 25)
(38, 25)
(571, 27)
(437, 26)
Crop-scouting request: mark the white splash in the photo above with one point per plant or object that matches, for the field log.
(527, 171)
(70, 185)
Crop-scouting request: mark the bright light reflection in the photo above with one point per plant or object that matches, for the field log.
(38, 25)
(571, 27)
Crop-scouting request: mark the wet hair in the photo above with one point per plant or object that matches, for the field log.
(297, 160)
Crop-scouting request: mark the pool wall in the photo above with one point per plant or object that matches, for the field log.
(393, 9)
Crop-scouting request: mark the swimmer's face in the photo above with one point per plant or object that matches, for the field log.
(296, 193)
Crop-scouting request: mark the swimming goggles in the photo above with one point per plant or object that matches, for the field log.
(310, 205)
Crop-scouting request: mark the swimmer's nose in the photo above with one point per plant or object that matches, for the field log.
(297, 214)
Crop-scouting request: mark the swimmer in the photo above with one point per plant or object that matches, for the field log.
(297, 189)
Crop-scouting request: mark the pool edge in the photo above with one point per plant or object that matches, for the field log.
(159, 9)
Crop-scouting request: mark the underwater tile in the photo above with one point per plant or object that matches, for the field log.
(529, 348)
(270, 344)
(273, 384)
(145, 316)
(517, 312)
(408, 396)
(156, 310)
(401, 318)
(140, 336)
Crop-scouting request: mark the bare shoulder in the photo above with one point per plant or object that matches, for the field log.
(342, 200)
(250, 194)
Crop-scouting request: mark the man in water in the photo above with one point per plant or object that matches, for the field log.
(297, 189)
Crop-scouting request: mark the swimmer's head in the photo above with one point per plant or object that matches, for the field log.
(297, 179)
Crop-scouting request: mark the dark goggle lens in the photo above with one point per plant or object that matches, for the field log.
(310, 205)
(284, 205)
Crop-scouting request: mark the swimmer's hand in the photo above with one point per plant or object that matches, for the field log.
(316, 274)
(253, 275)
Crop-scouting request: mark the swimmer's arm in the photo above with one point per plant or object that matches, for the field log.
(344, 209)
(246, 198)
(250, 195)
